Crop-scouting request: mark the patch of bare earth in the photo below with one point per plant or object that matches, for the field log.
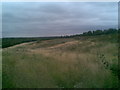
(64, 44)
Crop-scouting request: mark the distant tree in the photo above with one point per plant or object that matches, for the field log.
(110, 31)
(89, 33)
(97, 32)
(84, 33)
(119, 30)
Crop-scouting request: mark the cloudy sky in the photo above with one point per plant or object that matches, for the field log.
(38, 19)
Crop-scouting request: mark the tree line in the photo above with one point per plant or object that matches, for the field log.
(94, 33)
(100, 32)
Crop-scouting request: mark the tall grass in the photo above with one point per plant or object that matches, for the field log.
(79, 65)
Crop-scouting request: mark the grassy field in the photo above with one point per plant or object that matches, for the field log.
(79, 62)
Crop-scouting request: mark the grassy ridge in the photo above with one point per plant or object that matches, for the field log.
(79, 62)
(7, 42)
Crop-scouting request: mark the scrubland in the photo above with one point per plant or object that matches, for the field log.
(79, 62)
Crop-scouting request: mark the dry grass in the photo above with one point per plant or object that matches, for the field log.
(61, 63)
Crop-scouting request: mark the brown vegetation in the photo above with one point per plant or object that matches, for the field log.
(62, 63)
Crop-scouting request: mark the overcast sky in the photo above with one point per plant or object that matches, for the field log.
(28, 19)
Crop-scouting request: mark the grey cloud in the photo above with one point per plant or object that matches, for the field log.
(47, 19)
